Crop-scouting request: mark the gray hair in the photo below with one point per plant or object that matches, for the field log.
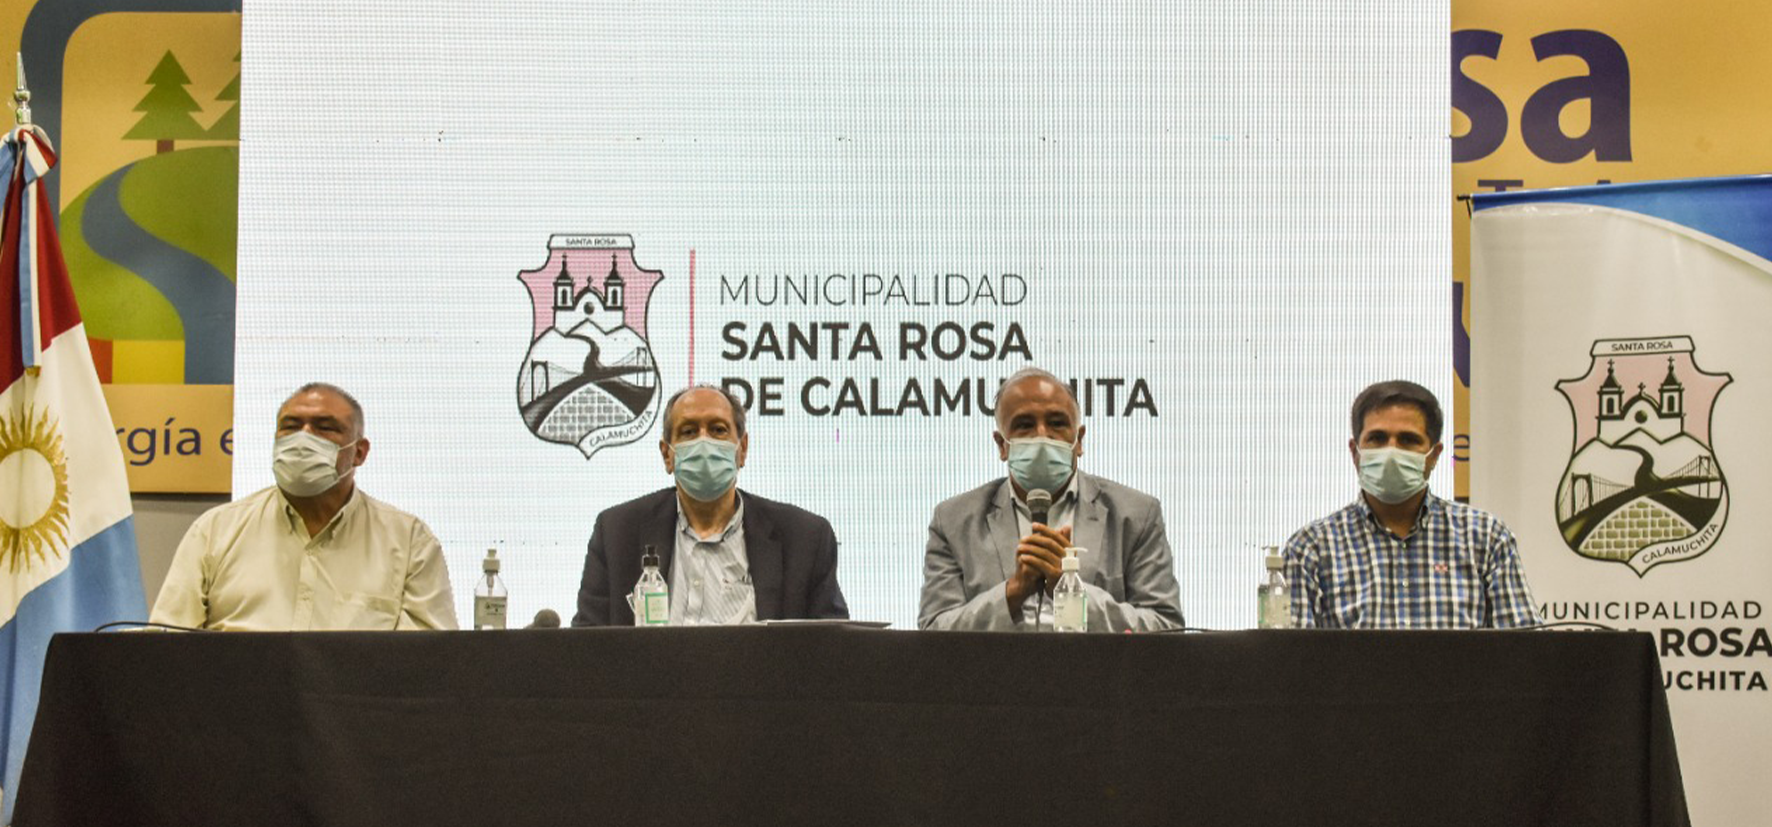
(737, 409)
(356, 408)
(1031, 372)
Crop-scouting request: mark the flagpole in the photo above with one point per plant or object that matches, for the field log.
(27, 275)
(21, 96)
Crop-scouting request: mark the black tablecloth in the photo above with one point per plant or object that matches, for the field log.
(840, 726)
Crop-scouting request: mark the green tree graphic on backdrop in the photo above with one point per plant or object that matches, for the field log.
(227, 127)
(167, 108)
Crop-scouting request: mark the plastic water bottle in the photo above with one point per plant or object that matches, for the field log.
(1070, 604)
(1274, 597)
(652, 595)
(489, 595)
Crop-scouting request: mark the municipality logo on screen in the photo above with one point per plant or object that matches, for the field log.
(1643, 486)
(589, 379)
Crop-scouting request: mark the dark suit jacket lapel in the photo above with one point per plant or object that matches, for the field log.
(662, 534)
(763, 552)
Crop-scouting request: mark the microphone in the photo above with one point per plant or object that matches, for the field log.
(1039, 505)
(545, 619)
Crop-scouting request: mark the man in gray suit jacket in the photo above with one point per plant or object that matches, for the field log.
(988, 566)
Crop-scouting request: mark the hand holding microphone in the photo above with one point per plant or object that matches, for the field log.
(1039, 556)
(1039, 505)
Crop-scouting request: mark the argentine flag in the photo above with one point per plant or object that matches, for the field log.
(67, 538)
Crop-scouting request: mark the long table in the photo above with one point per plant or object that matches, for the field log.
(843, 726)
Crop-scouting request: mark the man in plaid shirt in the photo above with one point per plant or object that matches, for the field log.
(1400, 557)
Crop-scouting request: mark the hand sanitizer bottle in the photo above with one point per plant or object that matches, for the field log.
(652, 595)
(489, 595)
(1070, 604)
(1274, 597)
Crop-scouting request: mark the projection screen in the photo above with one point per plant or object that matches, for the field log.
(512, 228)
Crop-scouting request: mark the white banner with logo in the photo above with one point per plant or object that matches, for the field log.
(514, 229)
(1619, 379)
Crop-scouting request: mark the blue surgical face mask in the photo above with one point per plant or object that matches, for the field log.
(1037, 462)
(1392, 474)
(705, 468)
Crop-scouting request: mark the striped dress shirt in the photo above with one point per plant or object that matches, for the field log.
(711, 576)
(1458, 569)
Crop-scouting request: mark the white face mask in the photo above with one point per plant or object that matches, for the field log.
(1392, 474)
(306, 464)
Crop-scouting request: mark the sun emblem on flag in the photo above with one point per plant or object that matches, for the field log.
(34, 516)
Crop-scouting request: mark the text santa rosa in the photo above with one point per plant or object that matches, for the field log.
(895, 321)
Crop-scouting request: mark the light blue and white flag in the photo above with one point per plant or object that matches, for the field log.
(67, 538)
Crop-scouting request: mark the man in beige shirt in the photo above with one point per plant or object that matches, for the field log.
(312, 552)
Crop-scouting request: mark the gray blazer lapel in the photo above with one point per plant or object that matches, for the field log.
(1005, 533)
(1088, 526)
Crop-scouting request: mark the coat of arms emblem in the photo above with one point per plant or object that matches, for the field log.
(1643, 486)
(589, 378)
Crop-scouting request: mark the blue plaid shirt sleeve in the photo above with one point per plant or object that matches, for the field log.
(1301, 579)
(1509, 600)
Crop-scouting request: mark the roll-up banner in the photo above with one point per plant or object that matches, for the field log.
(1619, 351)
(1581, 92)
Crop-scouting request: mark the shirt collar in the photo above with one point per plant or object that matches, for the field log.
(295, 521)
(1066, 493)
(1430, 505)
(732, 525)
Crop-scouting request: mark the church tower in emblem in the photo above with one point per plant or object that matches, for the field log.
(589, 378)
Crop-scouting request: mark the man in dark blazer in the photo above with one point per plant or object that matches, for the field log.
(728, 555)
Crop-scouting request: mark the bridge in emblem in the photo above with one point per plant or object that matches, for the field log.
(1607, 519)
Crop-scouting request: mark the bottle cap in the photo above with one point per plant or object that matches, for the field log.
(490, 566)
(1071, 563)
